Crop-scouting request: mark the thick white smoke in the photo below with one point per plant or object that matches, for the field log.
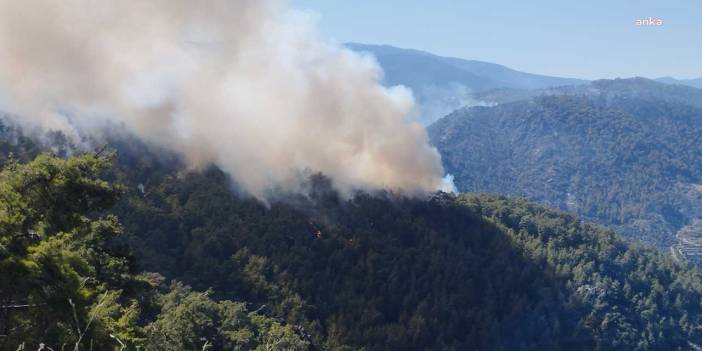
(245, 84)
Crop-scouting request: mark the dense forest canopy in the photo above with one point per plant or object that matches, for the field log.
(67, 281)
(156, 257)
(625, 153)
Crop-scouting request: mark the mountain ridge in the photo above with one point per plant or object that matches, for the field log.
(694, 82)
(484, 69)
(443, 84)
(621, 152)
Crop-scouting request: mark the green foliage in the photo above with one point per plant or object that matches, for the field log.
(383, 272)
(67, 281)
(632, 297)
(191, 321)
(57, 254)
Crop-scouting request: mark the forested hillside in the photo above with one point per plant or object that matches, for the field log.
(313, 271)
(68, 281)
(625, 153)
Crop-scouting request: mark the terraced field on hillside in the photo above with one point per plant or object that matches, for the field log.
(689, 244)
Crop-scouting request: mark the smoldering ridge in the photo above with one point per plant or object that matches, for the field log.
(242, 84)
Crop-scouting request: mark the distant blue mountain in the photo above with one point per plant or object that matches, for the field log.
(411, 67)
(695, 83)
(443, 84)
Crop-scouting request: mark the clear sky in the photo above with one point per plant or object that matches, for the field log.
(582, 39)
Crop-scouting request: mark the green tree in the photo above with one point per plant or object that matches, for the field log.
(193, 321)
(61, 272)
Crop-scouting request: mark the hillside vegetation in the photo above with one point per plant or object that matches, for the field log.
(68, 281)
(146, 254)
(625, 153)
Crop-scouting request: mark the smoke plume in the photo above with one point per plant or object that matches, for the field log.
(245, 84)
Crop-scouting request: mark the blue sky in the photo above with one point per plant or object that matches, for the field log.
(583, 39)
